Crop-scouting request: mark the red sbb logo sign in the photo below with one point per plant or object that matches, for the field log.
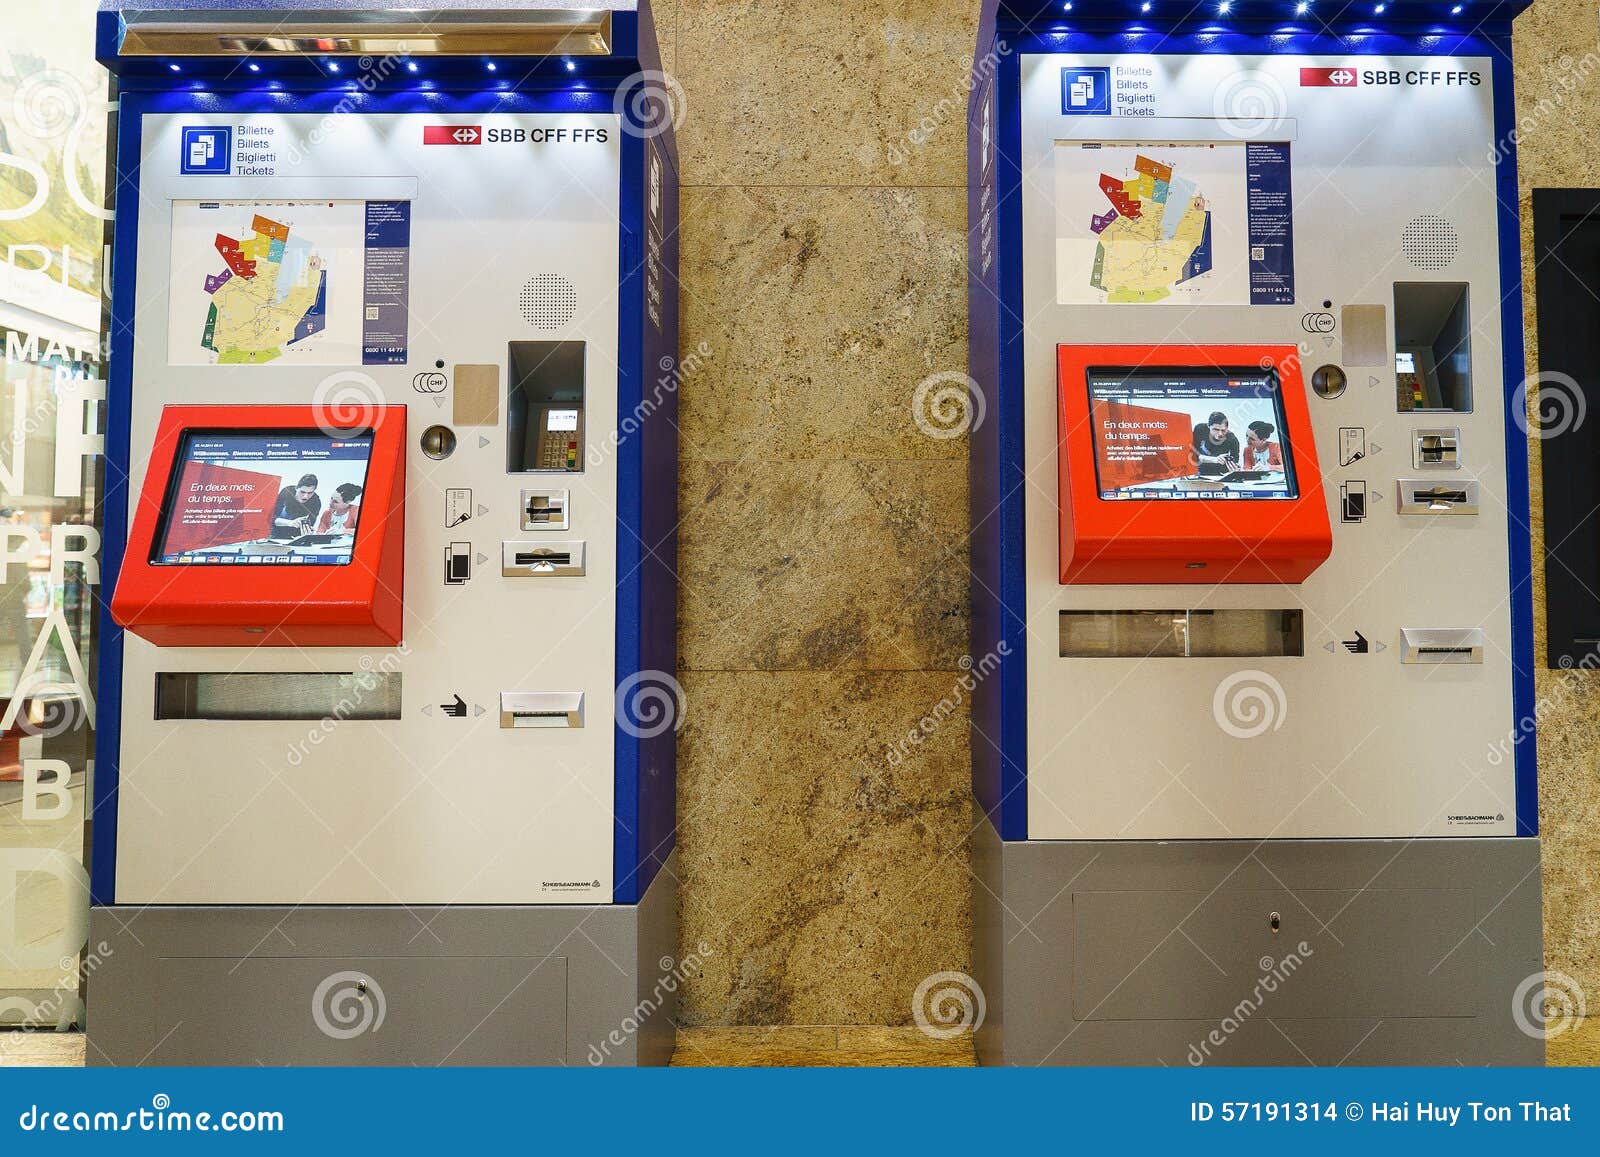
(452, 135)
(1329, 78)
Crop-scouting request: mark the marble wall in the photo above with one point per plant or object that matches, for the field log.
(1557, 54)
(823, 561)
(824, 605)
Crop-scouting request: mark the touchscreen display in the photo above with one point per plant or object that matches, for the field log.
(1189, 432)
(264, 497)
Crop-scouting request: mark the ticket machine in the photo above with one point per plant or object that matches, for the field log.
(1251, 553)
(386, 711)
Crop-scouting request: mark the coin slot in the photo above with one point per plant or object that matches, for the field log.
(438, 442)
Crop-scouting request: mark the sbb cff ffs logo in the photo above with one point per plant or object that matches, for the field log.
(1328, 77)
(452, 135)
(1344, 76)
(477, 135)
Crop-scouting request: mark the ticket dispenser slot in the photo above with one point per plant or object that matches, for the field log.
(1441, 645)
(545, 407)
(527, 709)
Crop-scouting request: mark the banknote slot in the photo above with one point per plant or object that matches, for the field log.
(534, 559)
(1418, 496)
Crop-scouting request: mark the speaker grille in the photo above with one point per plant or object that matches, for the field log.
(1430, 242)
(548, 301)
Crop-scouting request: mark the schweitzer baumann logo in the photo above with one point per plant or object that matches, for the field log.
(1086, 91)
(207, 149)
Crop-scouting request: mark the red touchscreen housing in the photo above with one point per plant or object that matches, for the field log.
(264, 526)
(1187, 464)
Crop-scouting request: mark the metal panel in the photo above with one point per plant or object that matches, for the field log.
(469, 985)
(1146, 953)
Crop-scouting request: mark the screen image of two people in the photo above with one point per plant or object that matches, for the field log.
(299, 510)
(1217, 450)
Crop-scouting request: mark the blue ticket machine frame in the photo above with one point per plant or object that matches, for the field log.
(1235, 811)
(401, 790)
